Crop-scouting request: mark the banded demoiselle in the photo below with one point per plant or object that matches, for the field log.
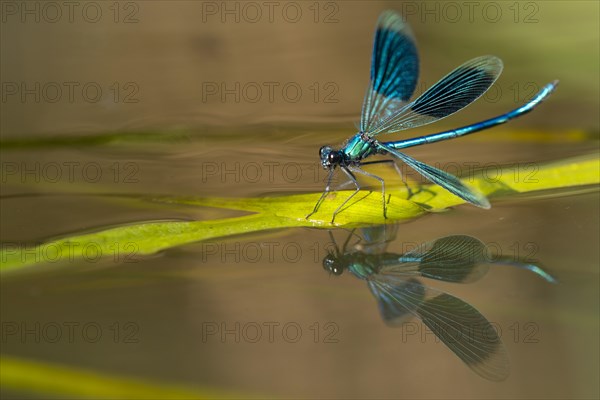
(386, 109)
(393, 279)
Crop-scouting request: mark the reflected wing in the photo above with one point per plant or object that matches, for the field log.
(456, 258)
(394, 70)
(459, 325)
(444, 179)
(455, 91)
(375, 239)
(393, 312)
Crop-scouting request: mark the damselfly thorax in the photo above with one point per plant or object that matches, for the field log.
(359, 147)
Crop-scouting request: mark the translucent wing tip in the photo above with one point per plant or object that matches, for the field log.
(472, 196)
(483, 202)
(388, 16)
(489, 63)
(392, 20)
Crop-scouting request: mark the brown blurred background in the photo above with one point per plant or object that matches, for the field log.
(157, 63)
(194, 67)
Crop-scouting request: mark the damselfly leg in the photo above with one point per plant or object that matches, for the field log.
(327, 190)
(398, 170)
(356, 184)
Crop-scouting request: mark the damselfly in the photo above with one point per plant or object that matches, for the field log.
(386, 109)
(392, 278)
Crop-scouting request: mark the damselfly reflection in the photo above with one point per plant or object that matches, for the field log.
(391, 277)
(386, 109)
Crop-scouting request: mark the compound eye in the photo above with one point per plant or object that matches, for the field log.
(328, 262)
(331, 264)
(336, 270)
(323, 150)
(333, 157)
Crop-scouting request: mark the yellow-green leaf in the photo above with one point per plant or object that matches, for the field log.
(60, 381)
(290, 211)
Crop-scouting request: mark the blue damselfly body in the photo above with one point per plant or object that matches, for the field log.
(387, 109)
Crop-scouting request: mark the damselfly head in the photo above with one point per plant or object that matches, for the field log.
(332, 264)
(330, 157)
